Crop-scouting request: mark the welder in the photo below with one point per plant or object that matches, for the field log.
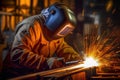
(39, 41)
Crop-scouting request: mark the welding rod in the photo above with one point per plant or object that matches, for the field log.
(72, 62)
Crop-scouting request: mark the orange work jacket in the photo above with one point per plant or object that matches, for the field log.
(31, 50)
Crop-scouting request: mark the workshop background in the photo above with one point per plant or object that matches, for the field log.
(97, 32)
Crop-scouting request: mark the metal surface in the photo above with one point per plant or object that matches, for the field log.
(54, 74)
(59, 72)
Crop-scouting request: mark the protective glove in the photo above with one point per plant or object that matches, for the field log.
(55, 62)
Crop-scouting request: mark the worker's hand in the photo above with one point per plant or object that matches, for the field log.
(55, 62)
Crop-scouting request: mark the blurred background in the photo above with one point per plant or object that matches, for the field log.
(97, 30)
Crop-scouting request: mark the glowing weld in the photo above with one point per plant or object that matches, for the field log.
(90, 62)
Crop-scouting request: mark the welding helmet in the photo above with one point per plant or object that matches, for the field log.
(59, 20)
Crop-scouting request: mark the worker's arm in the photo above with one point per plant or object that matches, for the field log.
(26, 39)
(66, 51)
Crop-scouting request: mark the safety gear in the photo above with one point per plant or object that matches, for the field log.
(30, 48)
(55, 62)
(59, 20)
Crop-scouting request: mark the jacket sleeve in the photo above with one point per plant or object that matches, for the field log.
(22, 49)
(66, 51)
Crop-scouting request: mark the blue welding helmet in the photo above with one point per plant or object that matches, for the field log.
(60, 20)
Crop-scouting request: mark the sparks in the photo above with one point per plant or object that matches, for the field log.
(90, 62)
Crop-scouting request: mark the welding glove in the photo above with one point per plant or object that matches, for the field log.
(55, 62)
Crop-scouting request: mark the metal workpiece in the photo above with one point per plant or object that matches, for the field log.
(54, 73)
(66, 72)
